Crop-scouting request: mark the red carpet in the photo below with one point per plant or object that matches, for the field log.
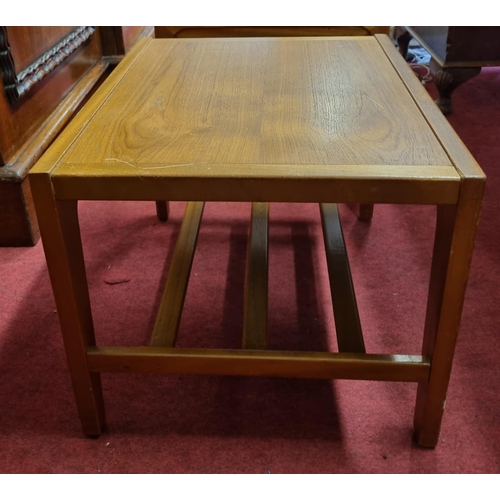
(194, 424)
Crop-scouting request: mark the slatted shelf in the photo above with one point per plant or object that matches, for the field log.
(170, 310)
(256, 280)
(347, 323)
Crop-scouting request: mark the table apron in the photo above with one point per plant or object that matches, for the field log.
(306, 190)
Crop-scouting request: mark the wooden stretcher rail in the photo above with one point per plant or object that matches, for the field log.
(402, 368)
(170, 310)
(345, 309)
(256, 290)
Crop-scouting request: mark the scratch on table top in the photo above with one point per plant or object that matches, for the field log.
(146, 167)
(120, 161)
(375, 102)
(169, 166)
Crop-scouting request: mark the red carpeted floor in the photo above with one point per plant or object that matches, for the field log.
(193, 424)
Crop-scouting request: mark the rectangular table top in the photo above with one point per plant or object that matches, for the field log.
(256, 109)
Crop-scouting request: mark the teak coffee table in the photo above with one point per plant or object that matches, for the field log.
(326, 120)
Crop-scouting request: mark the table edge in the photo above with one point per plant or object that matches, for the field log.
(49, 162)
(460, 156)
(461, 159)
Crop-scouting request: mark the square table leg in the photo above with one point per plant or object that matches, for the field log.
(454, 242)
(63, 250)
(162, 210)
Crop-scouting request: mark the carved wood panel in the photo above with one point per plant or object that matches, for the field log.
(33, 51)
(18, 84)
(28, 43)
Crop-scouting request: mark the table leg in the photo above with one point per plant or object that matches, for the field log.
(365, 212)
(162, 210)
(60, 232)
(403, 37)
(447, 80)
(454, 243)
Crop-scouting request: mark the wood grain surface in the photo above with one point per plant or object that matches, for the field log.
(460, 156)
(301, 101)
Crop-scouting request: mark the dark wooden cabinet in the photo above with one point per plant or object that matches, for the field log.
(118, 40)
(47, 73)
(458, 54)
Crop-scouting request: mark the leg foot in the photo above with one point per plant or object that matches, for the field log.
(403, 39)
(162, 210)
(365, 212)
(61, 239)
(447, 80)
(453, 245)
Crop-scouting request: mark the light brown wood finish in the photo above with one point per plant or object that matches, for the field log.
(299, 120)
(455, 233)
(393, 367)
(271, 31)
(347, 323)
(48, 162)
(196, 133)
(256, 282)
(232, 102)
(172, 302)
(460, 157)
(281, 183)
(454, 243)
(60, 232)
